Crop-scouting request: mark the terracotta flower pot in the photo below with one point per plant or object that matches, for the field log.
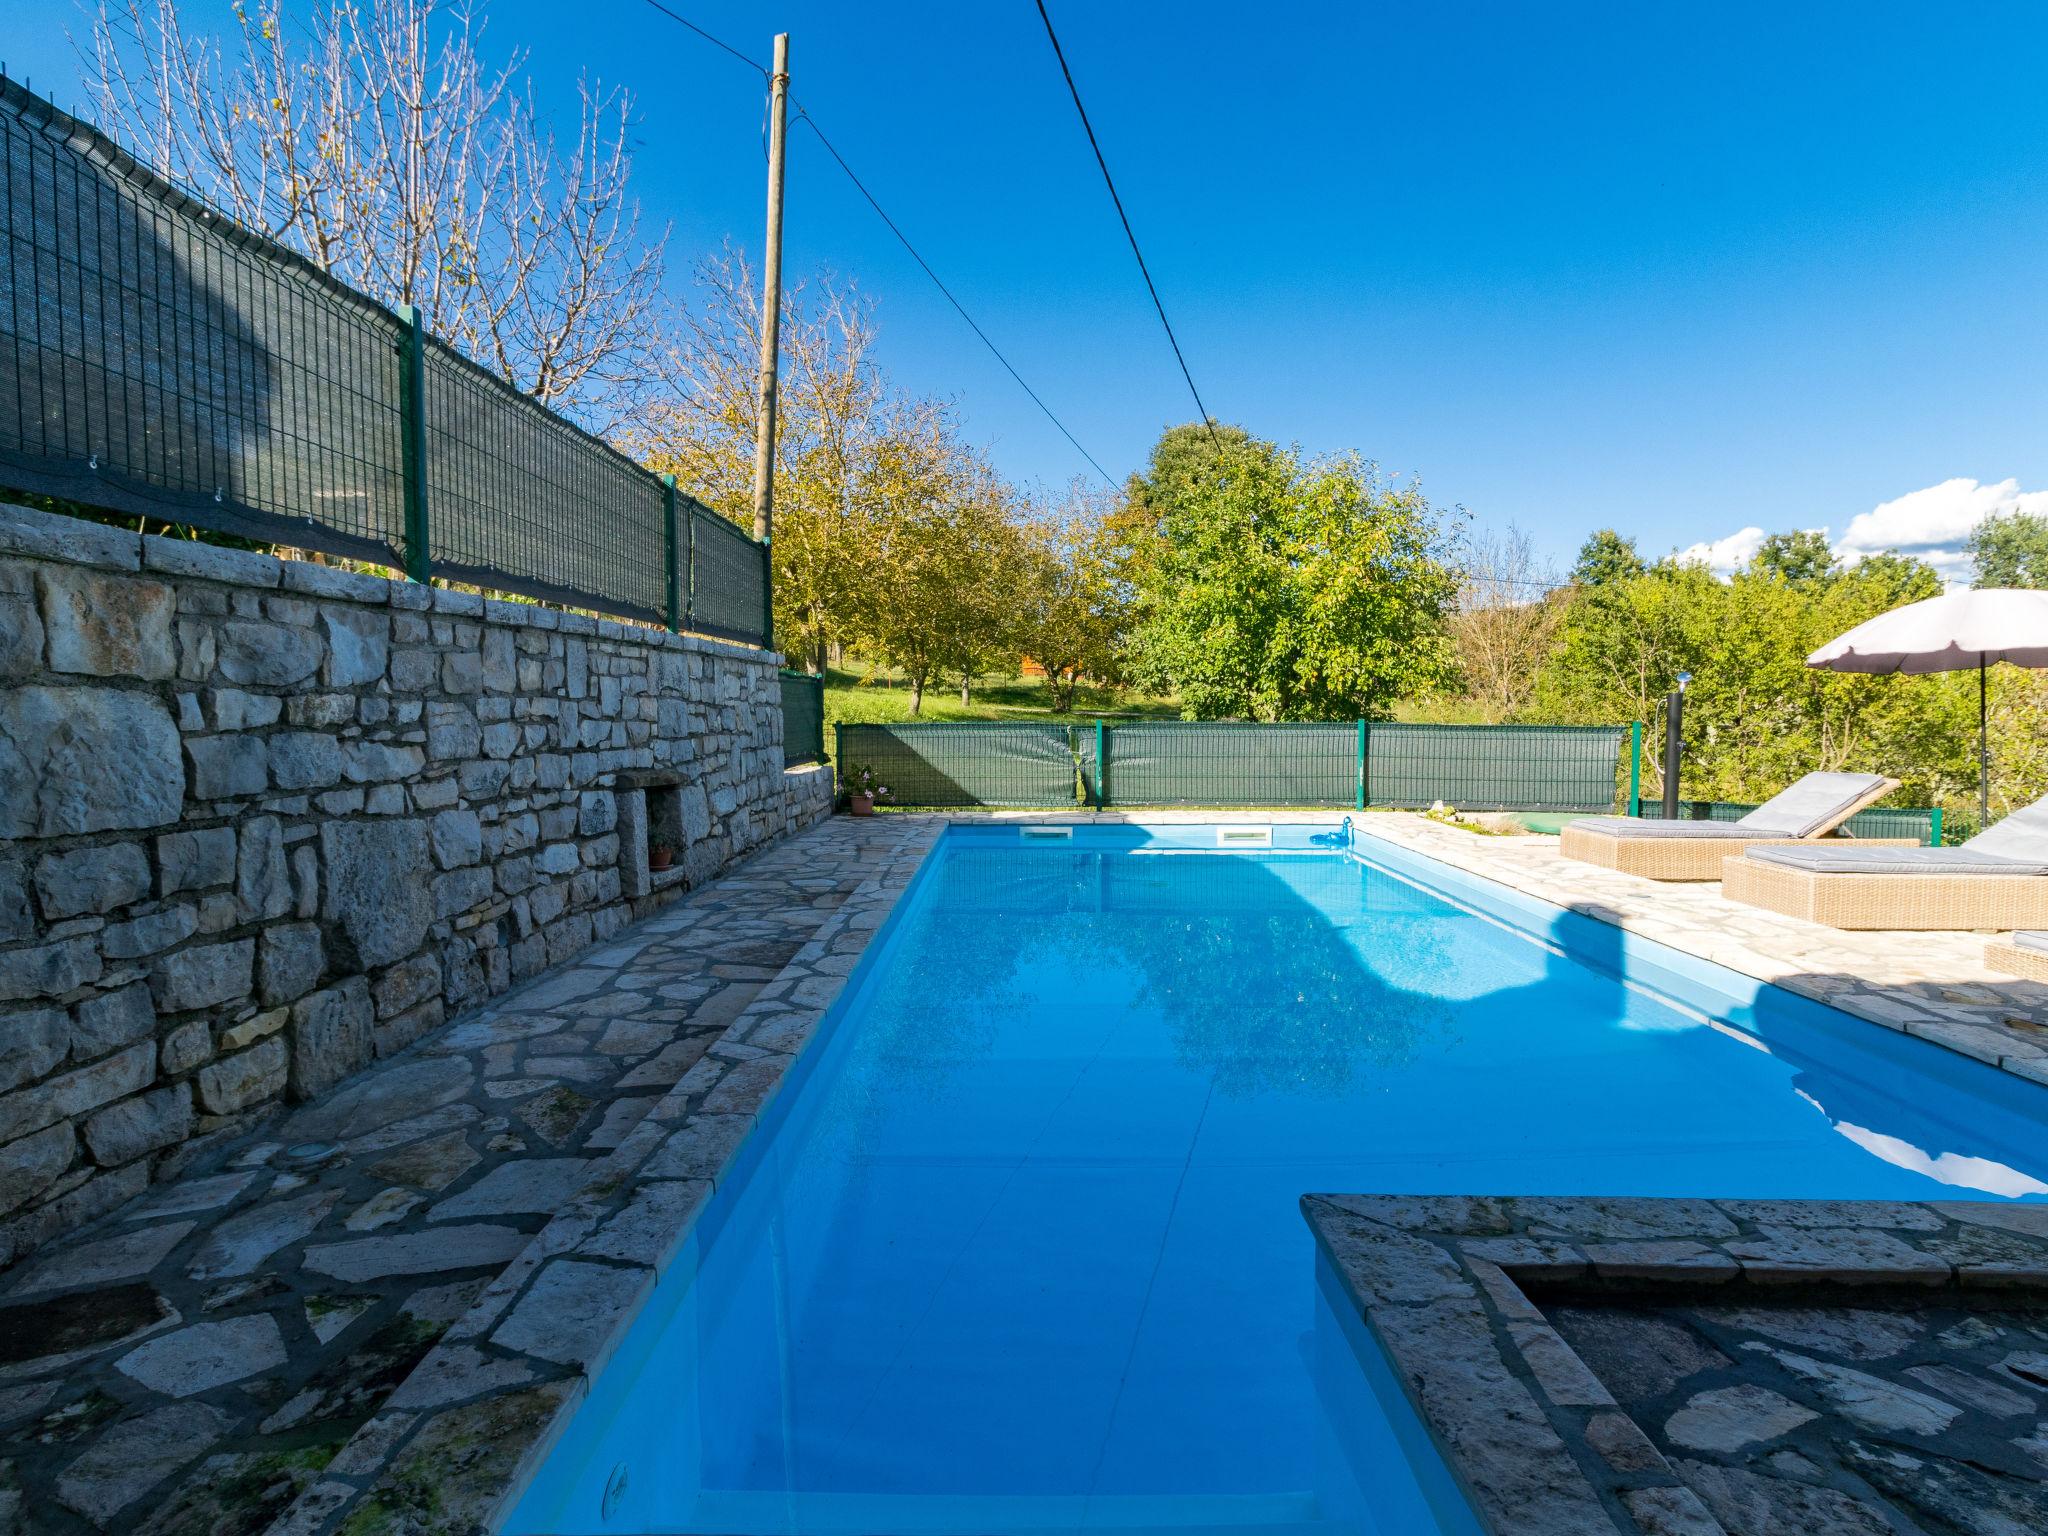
(660, 858)
(861, 804)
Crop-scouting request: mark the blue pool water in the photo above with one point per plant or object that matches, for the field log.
(1019, 1248)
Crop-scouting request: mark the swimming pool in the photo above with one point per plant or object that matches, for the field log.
(1017, 1249)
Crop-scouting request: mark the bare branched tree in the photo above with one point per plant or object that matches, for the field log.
(835, 409)
(375, 140)
(1508, 614)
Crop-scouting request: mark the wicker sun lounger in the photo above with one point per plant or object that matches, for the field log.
(1694, 850)
(2024, 954)
(1998, 879)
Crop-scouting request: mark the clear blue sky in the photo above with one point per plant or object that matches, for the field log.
(1680, 270)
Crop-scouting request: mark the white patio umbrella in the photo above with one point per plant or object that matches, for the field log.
(1972, 628)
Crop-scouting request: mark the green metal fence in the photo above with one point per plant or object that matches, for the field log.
(803, 718)
(161, 360)
(1922, 822)
(1012, 763)
(1350, 763)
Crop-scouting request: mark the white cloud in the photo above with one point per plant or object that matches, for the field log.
(1931, 524)
(1725, 556)
(1934, 523)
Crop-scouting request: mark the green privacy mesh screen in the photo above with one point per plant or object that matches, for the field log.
(1493, 767)
(803, 718)
(1199, 763)
(973, 763)
(157, 358)
(1181, 762)
(1880, 821)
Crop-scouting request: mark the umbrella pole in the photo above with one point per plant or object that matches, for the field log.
(1983, 755)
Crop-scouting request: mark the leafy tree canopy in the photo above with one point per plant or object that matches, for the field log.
(1606, 557)
(1273, 586)
(1802, 558)
(2010, 549)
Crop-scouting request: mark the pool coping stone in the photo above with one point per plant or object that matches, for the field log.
(1531, 1436)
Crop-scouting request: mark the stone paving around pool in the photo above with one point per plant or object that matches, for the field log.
(1700, 1367)
(382, 1337)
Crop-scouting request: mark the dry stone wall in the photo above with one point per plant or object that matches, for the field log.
(262, 822)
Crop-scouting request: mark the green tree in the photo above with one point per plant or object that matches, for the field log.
(1802, 558)
(1606, 557)
(1077, 599)
(2010, 549)
(1276, 587)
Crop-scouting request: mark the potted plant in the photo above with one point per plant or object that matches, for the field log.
(659, 856)
(863, 789)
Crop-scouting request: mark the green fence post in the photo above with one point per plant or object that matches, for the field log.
(412, 429)
(1934, 827)
(1635, 768)
(1100, 758)
(671, 587)
(767, 598)
(688, 574)
(1361, 765)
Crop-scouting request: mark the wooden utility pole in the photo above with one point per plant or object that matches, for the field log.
(771, 299)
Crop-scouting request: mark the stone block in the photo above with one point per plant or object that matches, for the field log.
(597, 813)
(91, 880)
(462, 890)
(377, 762)
(267, 655)
(31, 1164)
(107, 626)
(256, 1027)
(457, 839)
(501, 661)
(235, 710)
(305, 882)
(461, 672)
(376, 889)
(203, 976)
(185, 1048)
(49, 970)
(228, 767)
(250, 1077)
(358, 646)
(150, 934)
(52, 536)
(415, 670)
(410, 982)
(263, 886)
(192, 861)
(21, 635)
(329, 581)
(110, 1021)
(396, 1033)
(290, 962)
(31, 1044)
(321, 711)
(331, 1037)
(76, 760)
(557, 859)
(304, 760)
(211, 562)
(77, 1092)
(452, 732)
(135, 1127)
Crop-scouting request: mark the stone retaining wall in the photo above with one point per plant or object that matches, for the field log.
(263, 821)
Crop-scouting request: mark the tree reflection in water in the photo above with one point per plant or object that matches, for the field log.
(1244, 962)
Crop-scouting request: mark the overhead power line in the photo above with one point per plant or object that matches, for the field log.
(902, 239)
(1129, 234)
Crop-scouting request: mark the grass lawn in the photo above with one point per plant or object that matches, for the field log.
(858, 696)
